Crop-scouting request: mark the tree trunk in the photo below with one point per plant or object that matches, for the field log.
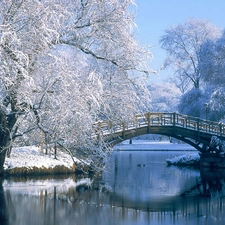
(4, 138)
(2, 160)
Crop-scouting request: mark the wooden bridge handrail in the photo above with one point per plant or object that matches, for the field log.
(162, 119)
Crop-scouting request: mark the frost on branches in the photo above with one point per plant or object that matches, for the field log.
(216, 145)
(65, 65)
(182, 43)
(196, 53)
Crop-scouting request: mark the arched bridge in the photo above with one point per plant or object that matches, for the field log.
(194, 131)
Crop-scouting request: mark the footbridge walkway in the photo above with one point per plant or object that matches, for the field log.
(194, 131)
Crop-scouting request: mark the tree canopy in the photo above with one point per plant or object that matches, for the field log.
(164, 97)
(196, 53)
(65, 65)
(182, 43)
(212, 54)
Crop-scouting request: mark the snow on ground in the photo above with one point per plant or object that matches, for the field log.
(32, 160)
(33, 157)
(187, 159)
(149, 145)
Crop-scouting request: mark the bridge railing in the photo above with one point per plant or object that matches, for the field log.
(161, 119)
(188, 122)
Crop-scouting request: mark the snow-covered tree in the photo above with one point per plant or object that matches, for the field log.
(191, 103)
(165, 97)
(212, 55)
(182, 43)
(65, 64)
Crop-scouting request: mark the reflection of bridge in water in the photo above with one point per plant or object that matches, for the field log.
(198, 197)
(70, 202)
(194, 131)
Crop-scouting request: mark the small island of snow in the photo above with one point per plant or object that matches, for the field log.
(185, 160)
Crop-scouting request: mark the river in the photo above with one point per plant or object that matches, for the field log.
(137, 188)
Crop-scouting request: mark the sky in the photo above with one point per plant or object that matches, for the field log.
(155, 16)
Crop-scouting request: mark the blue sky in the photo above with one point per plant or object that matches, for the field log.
(154, 16)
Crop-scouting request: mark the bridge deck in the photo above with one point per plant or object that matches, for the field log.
(171, 124)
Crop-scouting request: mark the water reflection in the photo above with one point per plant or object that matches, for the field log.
(213, 182)
(46, 201)
(145, 177)
(139, 189)
(3, 209)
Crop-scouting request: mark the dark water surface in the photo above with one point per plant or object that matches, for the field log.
(138, 188)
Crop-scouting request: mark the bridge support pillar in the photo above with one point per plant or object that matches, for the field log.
(212, 160)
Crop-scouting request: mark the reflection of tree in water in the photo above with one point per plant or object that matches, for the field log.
(82, 204)
(41, 201)
(213, 182)
(212, 187)
(3, 209)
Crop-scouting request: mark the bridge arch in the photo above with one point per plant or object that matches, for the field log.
(194, 131)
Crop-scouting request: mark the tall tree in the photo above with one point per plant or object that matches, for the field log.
(212, 55)
(182, 43)
(62, 64)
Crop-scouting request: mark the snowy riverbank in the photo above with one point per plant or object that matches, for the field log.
(31, 160)
(149, 145)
